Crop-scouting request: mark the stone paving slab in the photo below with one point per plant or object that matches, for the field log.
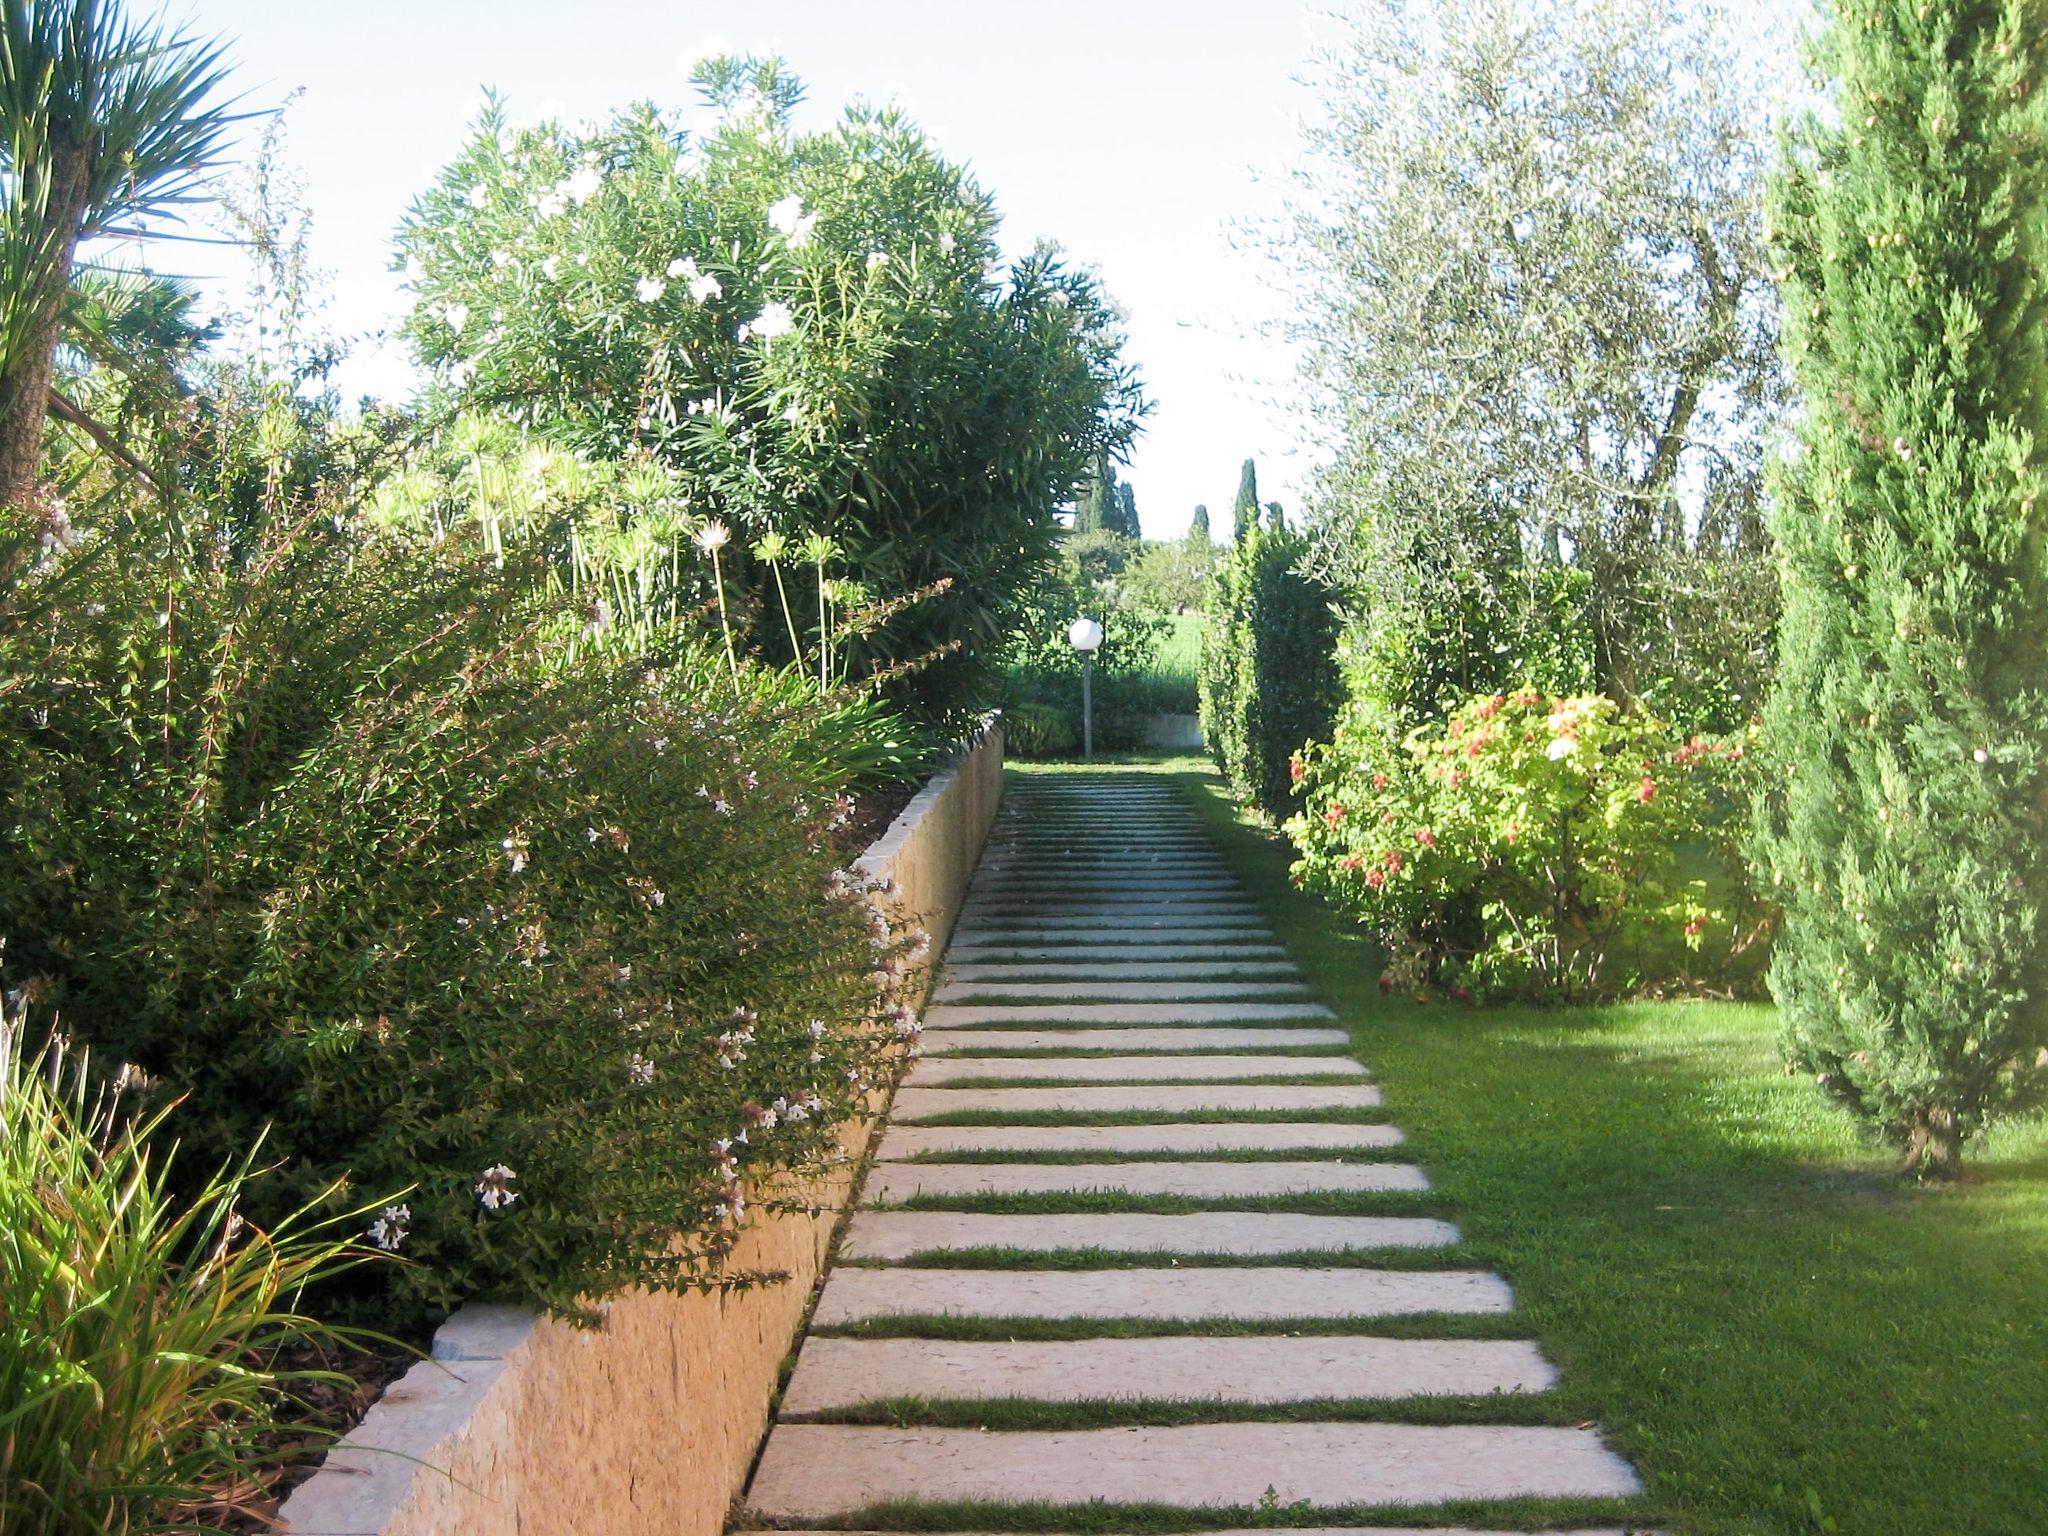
(1201, 1181)
(1139, 950)
(946, 1042)
(1118, 991)
(914, 1104)
(1113, 906)
(893, 1235)
(1118, 970)
(966, 1015)
(902, 1141)
(836, 1374)
(1055, 924)
(1158, 1295)
(1377, 1530)
(1125, 936)
(830, 1471)
(934, 1072)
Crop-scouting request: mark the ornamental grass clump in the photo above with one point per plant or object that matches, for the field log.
(1533, 845)
(150, 1342)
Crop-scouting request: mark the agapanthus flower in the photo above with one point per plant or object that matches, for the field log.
(714, 535)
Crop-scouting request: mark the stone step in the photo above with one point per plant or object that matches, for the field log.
(1139, 950)
(819, 1471)
(940, 1071)
(1191, 1136)
(1022, 930)
(837, 1374)
(1118, 970)
(914, 1104)
(887, 1236)
(890, 1182)
(1133, 941)
(950, 1041)
(1321, 1530)
(967, 1015)
(1117, 991)
(1189, 1294)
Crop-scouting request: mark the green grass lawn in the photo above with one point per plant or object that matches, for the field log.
(1181, 651)
(1781, 1335)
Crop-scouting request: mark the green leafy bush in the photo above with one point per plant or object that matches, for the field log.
(1533, 844)
(1906, 830)
(1033, 730)
(1269, 681)
(330, 832)
(149, 1345)
(811, 330)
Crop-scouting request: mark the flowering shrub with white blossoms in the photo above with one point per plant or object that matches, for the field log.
(545, 949)
(809, 332)
(1534, 844)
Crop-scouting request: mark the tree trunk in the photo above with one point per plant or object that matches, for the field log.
(25, 377)
(1934, 1145)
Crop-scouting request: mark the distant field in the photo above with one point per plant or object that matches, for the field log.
(1180, 654)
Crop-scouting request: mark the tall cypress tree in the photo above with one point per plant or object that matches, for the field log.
(1127, 511)
(1245, 514)
(1198, 526)
(1094, 504)
(1908, 732)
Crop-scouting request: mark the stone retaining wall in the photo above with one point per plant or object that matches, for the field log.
(524, 1426)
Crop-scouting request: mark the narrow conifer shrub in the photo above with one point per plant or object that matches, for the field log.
(1269, 680)
(1903, 828)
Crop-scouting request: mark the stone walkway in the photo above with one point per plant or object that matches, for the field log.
(1107, 1192)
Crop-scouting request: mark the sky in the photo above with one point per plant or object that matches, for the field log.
(1133, 132)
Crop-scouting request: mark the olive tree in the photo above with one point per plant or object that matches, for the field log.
(1536, 321)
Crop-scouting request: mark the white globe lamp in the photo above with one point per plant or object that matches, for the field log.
(1085, 636)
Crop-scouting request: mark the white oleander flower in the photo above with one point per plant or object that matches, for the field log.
(583, 183)
(478, 195)
(877, 259)
(785, 215)
(648, 289)
(704, 286)
(775, 320)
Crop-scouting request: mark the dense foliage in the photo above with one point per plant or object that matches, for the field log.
(809, 330)
(1043, 670)
(319, 824)
(1539, 330)
(1269, 681)
(1905, 832)
(1534, 844)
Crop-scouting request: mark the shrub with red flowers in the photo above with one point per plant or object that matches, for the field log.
(1535, 845)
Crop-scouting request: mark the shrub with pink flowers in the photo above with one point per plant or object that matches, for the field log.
(1535, 845)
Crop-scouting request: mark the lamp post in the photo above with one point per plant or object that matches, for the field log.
(1085, 636)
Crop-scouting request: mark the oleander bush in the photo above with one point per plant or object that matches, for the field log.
(1269, 681)
(327, 830)
(1535, 845)
(813, 330)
